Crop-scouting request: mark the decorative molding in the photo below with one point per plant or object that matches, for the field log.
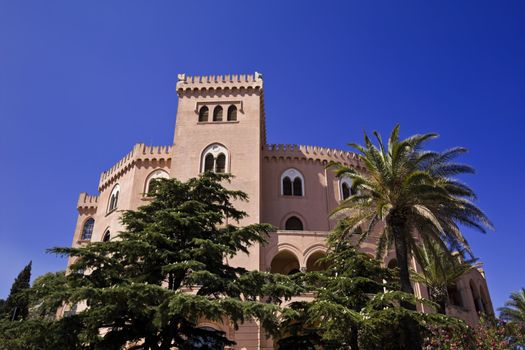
(315, 153)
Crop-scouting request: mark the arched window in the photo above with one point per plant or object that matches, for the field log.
(209, 162)
(454, 296)
(217, 114)
(292, 183)
(478, 305)
(293, 223)
(346, 188)
(220, 165)
(113, 198)
(203, 341)
(287, 186)
(87, 230)
(106, 237)
(203, 114)
(232, 113)
(215, 158)
(297, 186)
(314, 264)
(392, 264)
(285, 263)
(153, 179)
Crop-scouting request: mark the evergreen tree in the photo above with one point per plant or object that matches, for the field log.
(356, 306)
(41, 330)
(168, 270)
(17, 304)
(39, 306)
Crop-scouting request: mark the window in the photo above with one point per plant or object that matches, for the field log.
(113, 198)
(392, 264)
(293, 223)
(152, 180)
(204, 340)
(220, 165)
(297, 187)
(87, 230)
(72, 311)
(106, 237)
(346, 188)
(209, 162)
(292, 183)
(215, 158)
(203, 114)
(287, 186)
(454, 296)
(285, 263)
(232, 113)
(217, 114)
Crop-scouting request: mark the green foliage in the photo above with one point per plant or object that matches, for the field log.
(514, 309)
(167, 271)
(514, 313)
(439, 270)
(38, 334)
(357, 305)
(408, 195)
(39, 305)
(487, 335)
(17, 304)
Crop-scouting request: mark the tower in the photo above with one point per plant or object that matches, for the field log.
(220, 127)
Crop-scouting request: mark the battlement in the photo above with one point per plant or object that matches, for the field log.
(139, 152)
(87, 201)
(219, 82)
(310, 152)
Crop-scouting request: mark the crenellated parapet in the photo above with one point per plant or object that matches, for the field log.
(140, 152)
(315, 153)
(86, 201)
(217, 83)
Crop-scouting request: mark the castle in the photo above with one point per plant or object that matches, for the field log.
(220, 126)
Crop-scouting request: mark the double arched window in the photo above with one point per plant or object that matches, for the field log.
(292, 183)
(113, 198)
(218, 110)
(346, 188)
(215, 159)
(294, 223)
(203, 114)
(152, 179)
(87, 230)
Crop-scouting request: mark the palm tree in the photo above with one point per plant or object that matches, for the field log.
(410, 196)
(514, 309)
(440, 271)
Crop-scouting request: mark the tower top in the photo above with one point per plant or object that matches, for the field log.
(219, 82)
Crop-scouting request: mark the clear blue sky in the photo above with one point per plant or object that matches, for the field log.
(82, 81)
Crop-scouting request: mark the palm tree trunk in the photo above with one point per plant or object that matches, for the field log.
(402, 263)
(400, 242)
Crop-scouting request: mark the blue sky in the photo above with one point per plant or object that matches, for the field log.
(82, 81)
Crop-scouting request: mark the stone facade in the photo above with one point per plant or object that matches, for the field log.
(288, 187)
